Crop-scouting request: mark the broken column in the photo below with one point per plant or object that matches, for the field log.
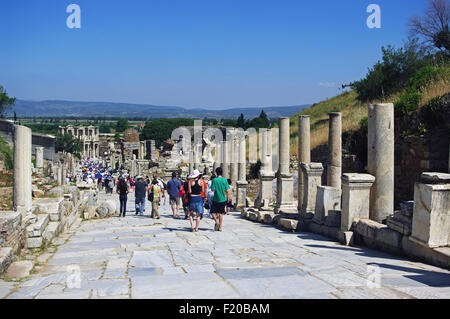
(431, 217)
(335, 150)
(39, 158)
(303, 154)
(285, 182)
(355, 198)
(22, 191)
(241, 184)
(312, 178)
(380, 160)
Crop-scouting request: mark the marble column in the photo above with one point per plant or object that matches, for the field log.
(225, 158)
(303, 153)
(191, 162)
(380, 160)
(335, 150)
(265, 196)
(22, 190)
(234, 145)
(285, 181)
(218, 156)
(241, 184)
(63, 174)
(39, 158)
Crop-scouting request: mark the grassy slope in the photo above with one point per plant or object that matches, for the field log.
(353, 111)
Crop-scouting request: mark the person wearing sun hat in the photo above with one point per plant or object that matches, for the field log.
(195, 188)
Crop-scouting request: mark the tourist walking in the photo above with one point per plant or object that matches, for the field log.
(173, 189)
(221, 188)
(195, 190)
(184, 194)
(154, 195)
(229, 203)
(140, 193)
(123, 190)
(210, 194)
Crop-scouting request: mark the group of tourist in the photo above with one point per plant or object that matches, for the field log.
(193, 194)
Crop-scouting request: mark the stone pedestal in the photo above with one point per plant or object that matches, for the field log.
(328, 199)
(22, 191)
(303, 153)
(355, 198)
(312, 178)
(380, 160)
(39, 158)
(431, 217)
(335, 150)
(285, 182)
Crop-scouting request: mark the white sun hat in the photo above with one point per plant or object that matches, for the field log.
(196, 173)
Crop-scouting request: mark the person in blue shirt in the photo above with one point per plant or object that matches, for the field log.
(173, 188)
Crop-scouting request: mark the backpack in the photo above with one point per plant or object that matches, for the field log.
(151, 195)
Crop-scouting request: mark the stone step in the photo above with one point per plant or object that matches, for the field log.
(36, 229)
(52, 230)
(50, 206)
(6, 254)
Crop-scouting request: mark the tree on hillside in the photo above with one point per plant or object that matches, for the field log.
(433, 27)
(6, 102)
(68, 143)
(240, 121)
(263, 116)
(122, 125)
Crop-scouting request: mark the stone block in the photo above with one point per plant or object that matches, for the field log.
(431, 218)
(244, 213)
(253, 216)
(51, 231)
(19, 269)
(436, 256)
(268, 217)
(327, 199)
(34, 242)
(407, 208)
(333, 219)
(36, 229)
(6, 255)
(346, 238)
(288, 224)
(435, 178)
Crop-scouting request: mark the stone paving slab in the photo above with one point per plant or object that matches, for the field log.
(138, 257)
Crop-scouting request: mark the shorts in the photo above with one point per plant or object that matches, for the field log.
(175, 200)
(218, 208)
(196, 205)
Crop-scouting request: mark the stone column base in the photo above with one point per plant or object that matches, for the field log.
(241, 194)
(285, 194)
(266, 192)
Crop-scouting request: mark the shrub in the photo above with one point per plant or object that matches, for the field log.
(424, 76)
(391, 74)
(432, 113)
(7, 153)
(408, 102)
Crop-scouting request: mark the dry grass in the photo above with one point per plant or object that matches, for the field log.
(353, 111)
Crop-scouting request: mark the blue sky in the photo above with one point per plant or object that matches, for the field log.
(197, 53)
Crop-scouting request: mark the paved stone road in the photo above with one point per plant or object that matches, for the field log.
(139, 257)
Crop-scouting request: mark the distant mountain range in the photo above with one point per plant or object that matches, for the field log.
(101, 109)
